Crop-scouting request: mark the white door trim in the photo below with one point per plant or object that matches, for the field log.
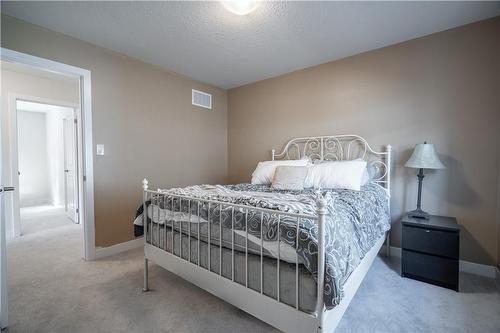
(84, 120)
(4, 309)
(14, 148)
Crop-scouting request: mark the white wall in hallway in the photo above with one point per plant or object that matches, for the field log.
(33, 159)
(41, 153)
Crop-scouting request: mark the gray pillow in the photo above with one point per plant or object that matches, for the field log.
(289, 177)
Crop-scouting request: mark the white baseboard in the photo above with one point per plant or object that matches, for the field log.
(394, 251)
(498, 278)
(478, 269)
(465, 266)
(102, 252)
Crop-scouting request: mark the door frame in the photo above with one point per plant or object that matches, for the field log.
(84, 146)
(14, 150)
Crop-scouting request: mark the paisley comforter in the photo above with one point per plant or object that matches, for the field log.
(354, 222)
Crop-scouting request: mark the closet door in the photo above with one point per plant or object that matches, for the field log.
(70, 171)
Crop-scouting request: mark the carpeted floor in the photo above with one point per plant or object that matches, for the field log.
(53, 290)
(42, 218)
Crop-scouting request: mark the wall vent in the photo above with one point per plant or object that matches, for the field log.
(200, 98)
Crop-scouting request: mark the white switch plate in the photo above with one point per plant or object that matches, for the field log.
(100, 150)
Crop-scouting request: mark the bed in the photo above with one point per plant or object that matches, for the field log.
(293, 259)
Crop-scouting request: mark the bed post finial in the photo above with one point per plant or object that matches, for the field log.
(145, 184)
(321, 204)
(273, 152)
(321, 209)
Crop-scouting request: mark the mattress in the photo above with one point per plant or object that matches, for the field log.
(355, 220)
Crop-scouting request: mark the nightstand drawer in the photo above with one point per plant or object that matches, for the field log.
(431, 241)
(432, 269)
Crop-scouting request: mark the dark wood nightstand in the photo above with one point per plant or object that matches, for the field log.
(430, 250)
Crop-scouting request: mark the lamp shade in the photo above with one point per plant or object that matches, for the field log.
(424, 157)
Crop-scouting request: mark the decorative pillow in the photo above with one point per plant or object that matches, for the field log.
(264, 172)
(289, 178)
(336, 174)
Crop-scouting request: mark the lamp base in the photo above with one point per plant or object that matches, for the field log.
(419, 214)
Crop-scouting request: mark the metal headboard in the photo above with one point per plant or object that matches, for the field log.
(340, 148)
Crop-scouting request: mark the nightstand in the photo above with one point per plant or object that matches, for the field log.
(430, 250)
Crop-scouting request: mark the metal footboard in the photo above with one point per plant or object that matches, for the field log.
(158, 236)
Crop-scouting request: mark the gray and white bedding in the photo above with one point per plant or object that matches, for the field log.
(355, 220)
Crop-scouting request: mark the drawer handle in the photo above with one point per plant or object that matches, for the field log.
(427, 230)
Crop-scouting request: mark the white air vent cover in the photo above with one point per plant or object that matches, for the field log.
(200, 98)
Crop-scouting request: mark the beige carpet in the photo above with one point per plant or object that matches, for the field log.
(42, 218)
(53, 290)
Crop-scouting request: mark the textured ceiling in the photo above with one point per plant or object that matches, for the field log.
(204, 41)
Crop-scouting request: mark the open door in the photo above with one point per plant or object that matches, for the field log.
(3, 248)
(70, 169)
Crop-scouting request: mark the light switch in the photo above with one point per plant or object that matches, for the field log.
(100, 150)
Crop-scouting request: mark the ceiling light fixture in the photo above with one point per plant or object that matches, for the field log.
(240, 7)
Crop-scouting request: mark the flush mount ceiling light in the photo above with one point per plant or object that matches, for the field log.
(240, 7)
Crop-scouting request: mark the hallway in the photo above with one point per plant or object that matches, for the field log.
(42, 219)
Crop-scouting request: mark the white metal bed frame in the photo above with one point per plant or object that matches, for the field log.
(271, 310)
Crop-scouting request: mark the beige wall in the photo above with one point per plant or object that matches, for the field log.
(442, 88)
(144, 116)
(498, 223)
(498, 211)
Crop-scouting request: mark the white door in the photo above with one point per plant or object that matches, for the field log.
(4, 190)
(70, 176)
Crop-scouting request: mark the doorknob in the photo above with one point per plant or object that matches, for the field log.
(6, 188)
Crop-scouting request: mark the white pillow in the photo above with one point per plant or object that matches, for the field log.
(264, 173)
(366, 174)
(288, 177)
(366, 177)
(336, 174)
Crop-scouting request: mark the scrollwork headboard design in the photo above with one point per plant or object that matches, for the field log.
(340, 148)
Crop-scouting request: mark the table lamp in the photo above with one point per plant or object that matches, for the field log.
(424, 157)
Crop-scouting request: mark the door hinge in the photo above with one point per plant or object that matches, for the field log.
(75, 121)
(77, 210)
(84, 178)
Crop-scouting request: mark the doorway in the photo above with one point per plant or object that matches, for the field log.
(84, 207)
(79, 207)
(47, 160)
